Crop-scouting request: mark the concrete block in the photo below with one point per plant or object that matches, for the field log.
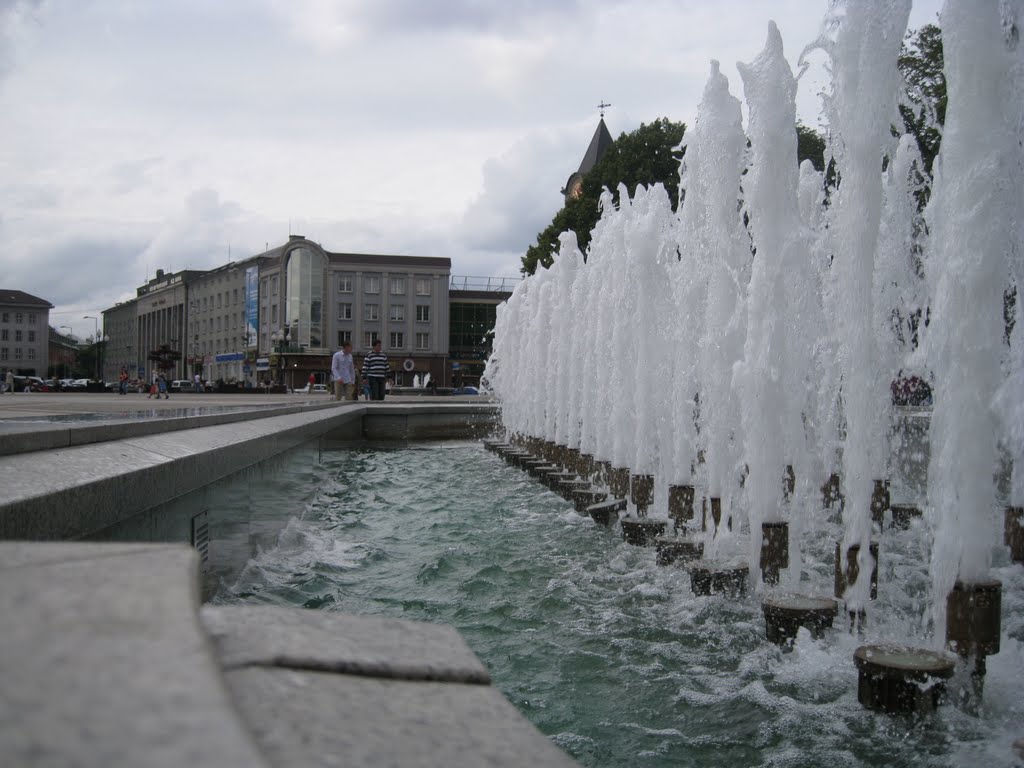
(104, 662)
(315, 718)
(337, 642)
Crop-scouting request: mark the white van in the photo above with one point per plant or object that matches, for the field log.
(181, 385)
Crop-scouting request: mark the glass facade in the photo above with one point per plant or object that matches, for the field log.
(305, 298)
(470, 324)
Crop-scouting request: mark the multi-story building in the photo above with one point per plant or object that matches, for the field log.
(221, 335)
(24, 333)
(161, 307)
(122, 348)
(473, 305)
(279, 316)
(312, 300)
(63, 353)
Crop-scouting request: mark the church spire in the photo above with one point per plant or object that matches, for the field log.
(599, 144)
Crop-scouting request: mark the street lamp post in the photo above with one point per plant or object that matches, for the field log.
(279, 339)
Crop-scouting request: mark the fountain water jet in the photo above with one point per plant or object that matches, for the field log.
(781, 309)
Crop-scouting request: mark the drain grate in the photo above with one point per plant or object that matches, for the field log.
(201, 537)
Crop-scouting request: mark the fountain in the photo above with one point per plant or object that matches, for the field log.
(776, 301)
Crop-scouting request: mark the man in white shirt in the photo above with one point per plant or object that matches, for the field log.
(343, 371)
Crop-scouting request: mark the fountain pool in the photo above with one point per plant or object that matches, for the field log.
(607, 653)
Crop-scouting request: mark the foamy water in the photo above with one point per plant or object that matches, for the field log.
(607, 653)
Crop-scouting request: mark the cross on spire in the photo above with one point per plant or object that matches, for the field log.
(602, 106)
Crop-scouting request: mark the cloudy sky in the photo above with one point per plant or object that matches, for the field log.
(146, 134)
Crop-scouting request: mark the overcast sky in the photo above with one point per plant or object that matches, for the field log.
(146, 134)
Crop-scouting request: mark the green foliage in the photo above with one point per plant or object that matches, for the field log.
(648, 155)
(645, 156)
(920, 62)
(164, 357)
(810, 145)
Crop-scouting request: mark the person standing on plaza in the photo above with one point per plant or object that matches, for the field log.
(375, 371)
(122, 382)
(197, 383)
(9, 381)
(343, 371)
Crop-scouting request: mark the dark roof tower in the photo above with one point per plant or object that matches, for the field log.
(599, 144)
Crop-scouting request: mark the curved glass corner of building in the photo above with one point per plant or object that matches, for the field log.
(305, 280)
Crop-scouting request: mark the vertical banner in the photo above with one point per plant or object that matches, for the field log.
(252, 295)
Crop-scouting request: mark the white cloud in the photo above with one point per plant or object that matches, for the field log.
(138, 136)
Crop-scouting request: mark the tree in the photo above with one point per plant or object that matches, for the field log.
(164, 357)
(924, 113)
(647, 156)
(810, 145)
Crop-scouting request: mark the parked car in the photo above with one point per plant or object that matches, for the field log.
(182, 385)
(466, 391)
(318, 389)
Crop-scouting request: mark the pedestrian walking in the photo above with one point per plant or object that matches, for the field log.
(343, 371)
(375, 371)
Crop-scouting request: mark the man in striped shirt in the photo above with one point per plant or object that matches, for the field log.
(375, 371)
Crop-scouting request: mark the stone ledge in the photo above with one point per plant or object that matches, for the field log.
(313, 718)
(106, 661)
(75, 492)
(325, 641)
(43, 436)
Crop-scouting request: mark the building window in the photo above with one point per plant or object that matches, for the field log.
(397, 313)
(372, 283)
(31, 337)
(372, 312)
(17, 353)
(234, 297)
(345, 311)
(3, 353)
(422, 341)
(31, 353)
(273, 314)
(17, 335)
(4, 335)
(397, 340)
(369, 337)
(6, 317)
(422, 286)
(273, 285)
(398, 286)
(345, 284)
(344, 337)
(17, 317)
(220, 301)
(31, 318)
(422, 313)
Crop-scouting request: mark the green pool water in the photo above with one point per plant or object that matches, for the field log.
(608, 654)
